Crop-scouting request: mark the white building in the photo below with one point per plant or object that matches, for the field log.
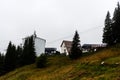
(66, 47)
(39, 44)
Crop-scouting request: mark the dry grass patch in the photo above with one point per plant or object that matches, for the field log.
(62, 68)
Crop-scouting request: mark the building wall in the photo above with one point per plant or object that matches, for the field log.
(64, 49)
(39, 46)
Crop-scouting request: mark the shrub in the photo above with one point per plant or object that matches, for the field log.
(41, 61)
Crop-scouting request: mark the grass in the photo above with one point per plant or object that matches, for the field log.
(61, 67)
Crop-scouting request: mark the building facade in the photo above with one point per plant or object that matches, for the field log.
(50, 50)
(39, 44)
(66, 47)
(92, 47)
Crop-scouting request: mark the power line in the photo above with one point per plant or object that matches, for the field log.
(56, 40)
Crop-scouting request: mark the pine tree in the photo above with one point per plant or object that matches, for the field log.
(76, 47)
(107, 32)
(19, 53)
(111, 31)
(28, 56)
(114, 15)
(25, 54)
(1, 61)
(10, 58)
(32, 53)
(1, 64)
(116, 24)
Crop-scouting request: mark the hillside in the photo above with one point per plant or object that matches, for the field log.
(62, 68)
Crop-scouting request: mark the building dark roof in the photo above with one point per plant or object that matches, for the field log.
(68, 44)
(50, 50)
(93, 45)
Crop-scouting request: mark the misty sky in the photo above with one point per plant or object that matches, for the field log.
(53, 20)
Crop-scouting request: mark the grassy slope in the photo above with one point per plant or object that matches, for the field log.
(61, 68)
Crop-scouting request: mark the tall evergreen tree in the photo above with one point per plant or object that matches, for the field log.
(114, 15)
(116, 24)
(111, 33)
(28, 55)
(76, 51)
(32, 53)
(1, 64)
(25, 54)
(10, 58)
(107, 32)
(19, 53)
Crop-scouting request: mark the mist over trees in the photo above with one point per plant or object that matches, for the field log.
(111, 32)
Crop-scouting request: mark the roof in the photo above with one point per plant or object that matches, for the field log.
(50, 49)
(35, 37)
(93, 45)
(67, 43)
(41, 38)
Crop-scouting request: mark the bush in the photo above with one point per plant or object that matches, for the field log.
(41, 61)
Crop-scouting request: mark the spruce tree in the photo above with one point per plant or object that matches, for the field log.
(19, 53)
(32, 53)
(25, 54)
(107, 32)
(76, 51)
(1, 60)
(111, 33)
(10, 58)
(116, 24)
(1, 64)
(28, 56)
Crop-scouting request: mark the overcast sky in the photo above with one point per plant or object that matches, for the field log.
(53, 20)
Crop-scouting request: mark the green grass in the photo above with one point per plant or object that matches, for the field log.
(61, 67)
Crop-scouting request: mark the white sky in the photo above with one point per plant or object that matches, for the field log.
(53, 20)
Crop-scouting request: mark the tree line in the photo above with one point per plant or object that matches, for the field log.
(111, 32)
(24, 55)
(17, 56)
